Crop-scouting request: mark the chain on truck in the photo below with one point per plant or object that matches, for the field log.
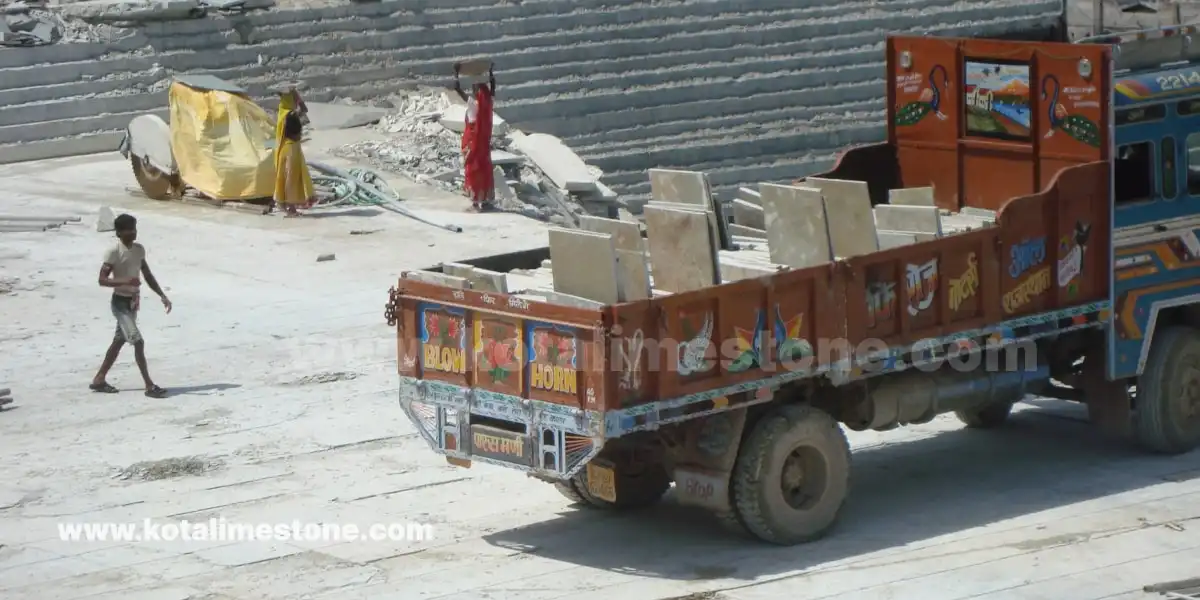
(1082, 153)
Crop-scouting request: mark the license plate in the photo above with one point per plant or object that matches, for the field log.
(601, 482)
(459, 462)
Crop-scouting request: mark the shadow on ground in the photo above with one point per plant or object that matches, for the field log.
(201, 389)
(901, 493)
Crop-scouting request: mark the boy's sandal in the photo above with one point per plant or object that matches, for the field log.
(156, 392)
(103, 388)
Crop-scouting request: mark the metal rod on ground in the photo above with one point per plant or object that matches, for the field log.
(388, 203)
(40, 218)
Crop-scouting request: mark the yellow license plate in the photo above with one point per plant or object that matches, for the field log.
(602, 482)
(459, 462)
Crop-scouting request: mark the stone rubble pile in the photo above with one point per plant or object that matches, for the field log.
(424, 143)
(25, 24)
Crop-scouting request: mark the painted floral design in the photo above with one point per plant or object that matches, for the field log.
(444, 330)
(553, 349)
(748, 347)
(498, 354)
(787, 334)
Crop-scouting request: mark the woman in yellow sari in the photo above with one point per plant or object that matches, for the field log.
(293, 184)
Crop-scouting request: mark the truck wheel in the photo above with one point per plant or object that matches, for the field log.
(987, 417)
(568, 489)
(636, 486)
(792, 475)
(1167, 409)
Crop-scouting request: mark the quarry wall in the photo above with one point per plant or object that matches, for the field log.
(746, 90)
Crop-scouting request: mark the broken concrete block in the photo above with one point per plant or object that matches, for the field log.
(918, 219)
(557, 161)
(683, 187)
(847, 215)
(586, 265)
(748, 214)
(104, 220)
(921, 196)
(683, 255)
(500, 157)
(797, 235)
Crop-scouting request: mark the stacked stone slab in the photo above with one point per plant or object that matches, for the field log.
(745, 91)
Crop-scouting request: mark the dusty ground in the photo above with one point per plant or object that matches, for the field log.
(1042, 509)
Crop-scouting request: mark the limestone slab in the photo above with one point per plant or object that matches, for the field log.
(500, 157)
(585, 265)
(743, 231)
(916, 235)
(892, 239)
(749, 195)
(478, 279)
(737, 271)
(920, 196)
(919, 219)
(748, 214)
(341, 116)
(848, 216)
(714, 224)
(626, 235)
(797, 234)
(685, 187)
(634, 274)
(438, 279)
(562, 299)
(683, 255)
(454, 118)
(557, 161)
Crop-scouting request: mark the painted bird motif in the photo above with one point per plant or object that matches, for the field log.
(692, 357)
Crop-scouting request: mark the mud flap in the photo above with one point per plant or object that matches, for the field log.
(705, 461)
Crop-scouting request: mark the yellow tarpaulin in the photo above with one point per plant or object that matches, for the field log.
(223, 143)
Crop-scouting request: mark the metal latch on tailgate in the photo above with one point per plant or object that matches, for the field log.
(389, 309)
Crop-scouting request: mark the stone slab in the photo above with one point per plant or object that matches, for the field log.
(892, 239)
(919, 219)
(342, 116)
(626, 235)
(500, 157)
(743, 231)
(562, 299)
(917, 235)
(848, 216)
(438, 279)
(478, 279)
(713, 221)
(797, 234)
(634, 273)
(585, 265)
(747, 213)
(921, 196)
(684, 187)
(557, 161)
(683, 255)
(749, 195)
(454, 118)
(737, 271)
(982, 213)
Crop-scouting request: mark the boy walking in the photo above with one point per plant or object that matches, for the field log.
(123, 269)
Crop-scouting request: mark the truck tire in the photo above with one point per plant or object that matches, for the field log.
(1167, 410)
(568, 489)
(987, 417)
(792, 476)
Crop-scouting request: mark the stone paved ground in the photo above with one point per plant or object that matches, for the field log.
(1042, 509)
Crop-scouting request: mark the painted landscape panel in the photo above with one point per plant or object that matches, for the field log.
(997, 100)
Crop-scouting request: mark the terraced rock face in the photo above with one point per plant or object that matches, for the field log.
(753, 91)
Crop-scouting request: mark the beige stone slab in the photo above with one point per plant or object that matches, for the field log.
(438, 279)
(585, 265)
(747, 214)
(479, 279)
(892, 239)
(505, 195)
(685, 187)
(737, 271)
(847, 215)
(556, 297)
(920, 196)
(634, 273)
(626, 235)
(797, 235)
(707, 211)
(918, 219)
(749, 195)
(683, 256)
(982, 213)
(744, 231)
(919, 236)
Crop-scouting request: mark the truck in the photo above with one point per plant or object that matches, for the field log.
(1091, 269)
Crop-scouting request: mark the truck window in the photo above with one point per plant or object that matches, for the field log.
(1167, 164)
(1193, 164)
(1134, 172)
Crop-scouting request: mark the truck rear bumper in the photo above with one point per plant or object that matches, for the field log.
(540, 438)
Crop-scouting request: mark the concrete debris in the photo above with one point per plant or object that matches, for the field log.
(425, 146)
(326, 257)
(104, 220)
(25, 24)
(5, 397)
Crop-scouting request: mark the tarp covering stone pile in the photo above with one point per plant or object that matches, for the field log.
(542, 178)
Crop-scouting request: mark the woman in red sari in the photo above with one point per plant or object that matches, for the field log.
(477, 141)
